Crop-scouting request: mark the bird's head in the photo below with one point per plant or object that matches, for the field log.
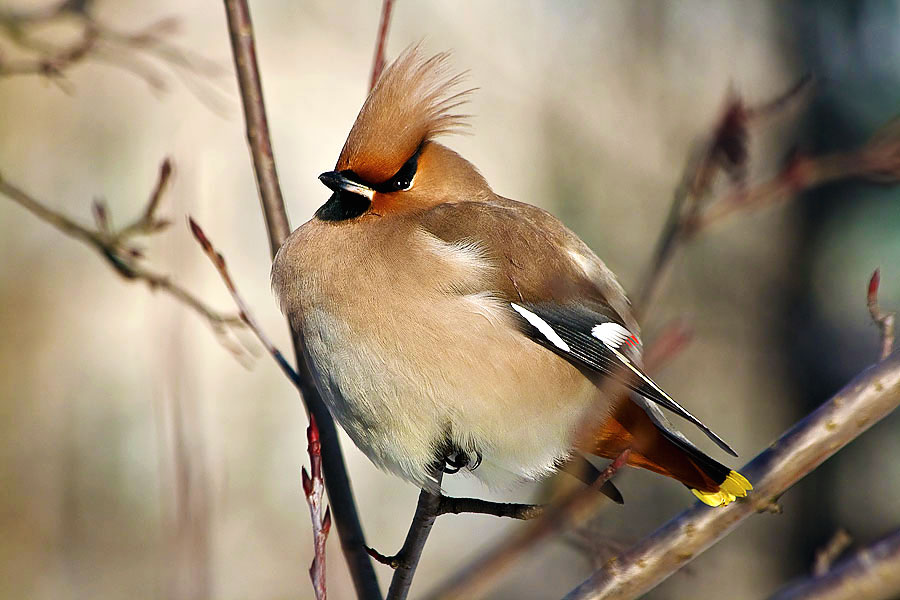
(390, 162)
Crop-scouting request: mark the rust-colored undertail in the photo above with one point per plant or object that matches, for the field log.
(664, 453)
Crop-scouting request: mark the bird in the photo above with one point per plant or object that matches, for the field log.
(448, 327)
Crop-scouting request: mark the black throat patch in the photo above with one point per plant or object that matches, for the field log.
(343, 206)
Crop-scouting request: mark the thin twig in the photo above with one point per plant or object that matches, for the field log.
(243, 310)
(340, 494)
(873, 573)
(314, 488)
(474, 579)
(378, 61)
(884, 320)
(830, 552)
(511, 510)
(871, 396)
(116, 247)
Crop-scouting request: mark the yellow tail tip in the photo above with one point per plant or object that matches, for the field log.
(735, 486)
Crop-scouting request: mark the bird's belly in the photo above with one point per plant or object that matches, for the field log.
(403, 387)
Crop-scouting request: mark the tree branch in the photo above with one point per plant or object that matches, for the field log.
(871, 396)
(125, 258)
(340, 494)
(870, 574)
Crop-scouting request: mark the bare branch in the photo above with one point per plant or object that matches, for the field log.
(873, 573)
(99, 43)
(724, 150)
(340, 494)
(378, 61)
(871, 396)
(884, 320)
(477, 576)
(117, 249)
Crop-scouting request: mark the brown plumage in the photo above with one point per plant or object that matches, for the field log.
(447, 323)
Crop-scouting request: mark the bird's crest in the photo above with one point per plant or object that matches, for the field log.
(415, 100)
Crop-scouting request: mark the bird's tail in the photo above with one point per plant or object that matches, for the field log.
(667, 453)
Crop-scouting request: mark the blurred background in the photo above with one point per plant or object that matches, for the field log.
(139, 459)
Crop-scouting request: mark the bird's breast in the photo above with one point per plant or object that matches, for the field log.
(410, 348)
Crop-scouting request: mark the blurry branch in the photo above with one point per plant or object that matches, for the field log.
(378, 61)
(826, 555)
(724, 150)
(337, 483)
(873, 573)
(669, 342)
(98, 42)
(474, 580)
(117, 247)
(884, 320)
(694, 209)
(314, 487)
(871, 396)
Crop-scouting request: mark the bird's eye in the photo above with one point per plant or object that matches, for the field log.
(402, 179)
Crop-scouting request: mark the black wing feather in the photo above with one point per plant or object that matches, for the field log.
(573, 326)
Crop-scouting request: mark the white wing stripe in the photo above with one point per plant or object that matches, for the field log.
(542, 326)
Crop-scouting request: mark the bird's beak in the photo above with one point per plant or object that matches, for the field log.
(338, 183)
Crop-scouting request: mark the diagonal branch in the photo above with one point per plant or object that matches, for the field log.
(340, 494)
(871, 396)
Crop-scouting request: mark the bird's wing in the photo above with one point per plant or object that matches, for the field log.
(563, 296)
